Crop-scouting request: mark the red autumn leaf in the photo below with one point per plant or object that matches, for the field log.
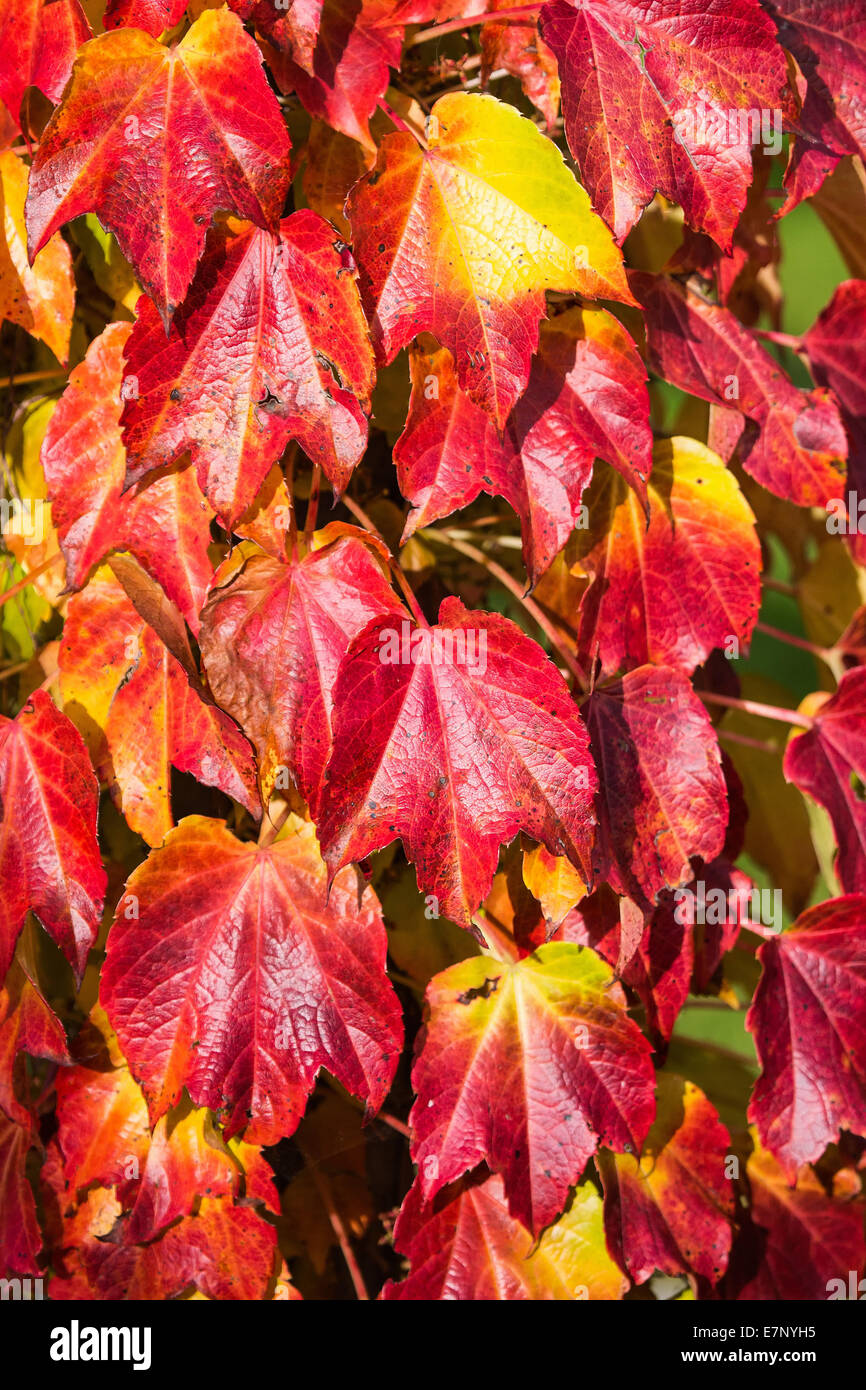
(809, 1240)
(184, 1162)
(829, 762)
(29, 1025)
(657, 96)
(142, 716)
(402, 764)
(829, 44)
(835, 345)
(662, 796)
(301, 366)
(517, 47)
(272, 641)
(428, 263)
(166, 526)
(193, 129)
(796, 446)
(219, 920)
(807, 1018)
(657, 966)
(49, 857)
(103, 1129)
(586, 399)
(666, 592)
(670, 1207)
(20, 1236)
(153, 16)
(336, 55)
(38, 42)
(528, 1066)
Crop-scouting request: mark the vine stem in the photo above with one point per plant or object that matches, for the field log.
(785, 716)
(8, 381)
(781, 339)
(453, 26)
(396, 568)
(29, 578)
(323, 1187)
(822, 653)
(762, 745)
(510, 583)
(779, 586)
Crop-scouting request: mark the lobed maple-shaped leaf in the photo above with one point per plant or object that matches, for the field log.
(829, 762)
(38, 43)
(153, 16)
(29, 1025)
(516, 47)
(670, 1206)
(795, 446)
(835, 345)
(49, 856)
(808, 1018)
(39, 298)
(336, 55)
(454, 738)
(656, 96)
(242, 976)
(662, 796)
(829, 44)
(465, 1245)
(272, 641)
(20, 1236)
(811, 1239)
(671, 591)
(586, 399)
(140, 714)
(528, 1066)
(166, 526)
(300, 365)
(192, 130)
(462, 238)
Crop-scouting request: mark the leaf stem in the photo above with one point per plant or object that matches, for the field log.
(762, 745)
(270, 829)
(786, 716)
(510, 583)
(323, 1187)
(780, 339)
(9, 381)
(400, 123)
(454, 26)
(822, 653)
